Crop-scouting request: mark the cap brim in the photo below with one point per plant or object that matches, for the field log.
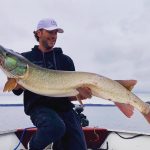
(60, 30)
(54, 28)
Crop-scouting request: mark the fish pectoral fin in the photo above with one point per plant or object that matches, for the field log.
(128, 84)
(10, 85)
(126, 109)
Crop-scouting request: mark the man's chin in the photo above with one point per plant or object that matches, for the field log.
(48, 47)
(51, 45)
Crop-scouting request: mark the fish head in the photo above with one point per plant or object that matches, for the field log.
(13, 64)
(2, 55)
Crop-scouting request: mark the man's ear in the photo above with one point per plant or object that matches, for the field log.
(39, 33)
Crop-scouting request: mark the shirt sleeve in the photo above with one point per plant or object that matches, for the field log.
(69, 64)
(17, 92)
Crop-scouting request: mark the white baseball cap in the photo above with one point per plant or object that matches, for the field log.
(49, 24)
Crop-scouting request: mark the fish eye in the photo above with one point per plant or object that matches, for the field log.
(6, 54)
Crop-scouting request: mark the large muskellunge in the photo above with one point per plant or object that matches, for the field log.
(65, 83)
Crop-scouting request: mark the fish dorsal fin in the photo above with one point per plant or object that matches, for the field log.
(10, 85)
(127, 109)
(128, 84)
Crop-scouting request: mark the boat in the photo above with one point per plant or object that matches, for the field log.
(96, 138)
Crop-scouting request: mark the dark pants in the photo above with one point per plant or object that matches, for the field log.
(63, 129)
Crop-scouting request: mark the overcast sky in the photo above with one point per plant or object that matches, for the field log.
(108, 37)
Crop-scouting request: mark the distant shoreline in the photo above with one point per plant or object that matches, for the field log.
(86, 105)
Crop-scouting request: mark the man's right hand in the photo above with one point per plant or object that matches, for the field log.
(19, 87)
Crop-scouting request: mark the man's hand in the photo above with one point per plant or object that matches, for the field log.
(84, 93)
(19, 87)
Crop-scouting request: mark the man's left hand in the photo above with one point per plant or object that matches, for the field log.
(84, 93)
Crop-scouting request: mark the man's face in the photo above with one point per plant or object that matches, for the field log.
(47, 38)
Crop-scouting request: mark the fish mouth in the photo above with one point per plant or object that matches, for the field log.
(1, 60)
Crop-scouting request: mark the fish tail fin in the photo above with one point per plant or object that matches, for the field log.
(147, 117)
(126, 109)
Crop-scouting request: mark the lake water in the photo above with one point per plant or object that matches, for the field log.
(106, 116)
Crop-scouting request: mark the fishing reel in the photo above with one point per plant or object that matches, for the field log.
(84, 121)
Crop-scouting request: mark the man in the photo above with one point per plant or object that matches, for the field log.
(55, 119)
